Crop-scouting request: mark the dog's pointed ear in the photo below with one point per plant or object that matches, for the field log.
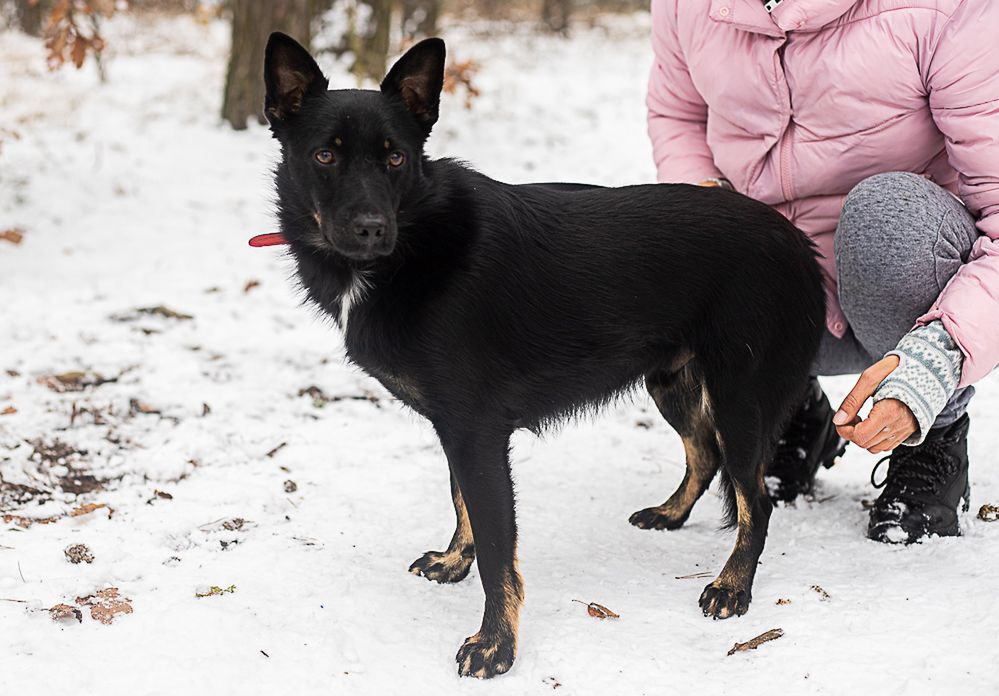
(290, 75)
(417, 79)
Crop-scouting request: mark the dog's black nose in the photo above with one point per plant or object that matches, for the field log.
(370, 228)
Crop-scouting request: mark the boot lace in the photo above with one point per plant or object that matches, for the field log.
(925, 468)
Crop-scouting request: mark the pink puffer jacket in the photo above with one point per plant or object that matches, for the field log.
(796, 107)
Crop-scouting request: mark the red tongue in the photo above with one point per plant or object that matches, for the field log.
(272, 239)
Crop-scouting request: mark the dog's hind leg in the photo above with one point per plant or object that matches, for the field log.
(682, 400)
(744, 437)
(452, 564)
(481, 468)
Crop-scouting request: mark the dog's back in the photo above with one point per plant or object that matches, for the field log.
(552, 298)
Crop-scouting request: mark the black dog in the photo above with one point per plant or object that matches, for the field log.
(488, 307)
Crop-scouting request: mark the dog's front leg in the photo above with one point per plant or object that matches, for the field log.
(453, 564)
(481, 468)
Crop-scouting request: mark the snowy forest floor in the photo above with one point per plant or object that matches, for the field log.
(230, 444)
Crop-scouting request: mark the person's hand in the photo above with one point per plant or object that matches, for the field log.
(888, 424)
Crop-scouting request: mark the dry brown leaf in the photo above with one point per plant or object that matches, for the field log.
(136, 406)
(79, 52)
(783, 601)
(25, 522)
(9, 411)
(823, 595)
(106, 604)
(598, 611)
(65, 613)
(989, 513)
(74, 380)
(15, 235)
(461, 74)
(234, 525)
(250, 284)
(87, 508)
(754, 643)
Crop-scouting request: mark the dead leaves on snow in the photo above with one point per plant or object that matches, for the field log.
(64, 612)
(26, 522)
(989, 513)
(75, 381)
(14, 235)
(598, 611)
(90, 507)
(106, 604)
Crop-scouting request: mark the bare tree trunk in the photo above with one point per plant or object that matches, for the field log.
(252, 23)
(31, 16)
(369, 40)
(419, 18)
(555, 15)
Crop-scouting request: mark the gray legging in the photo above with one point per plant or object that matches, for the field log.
(899, 241)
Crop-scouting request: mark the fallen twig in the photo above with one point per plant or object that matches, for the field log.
(692, 576)
(754, 643)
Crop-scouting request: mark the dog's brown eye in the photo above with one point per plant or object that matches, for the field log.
(325, 157)
(396, 159)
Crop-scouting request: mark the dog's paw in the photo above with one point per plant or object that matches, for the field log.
(485, 656)
(721, 602)
(444, 566)
(656, 518)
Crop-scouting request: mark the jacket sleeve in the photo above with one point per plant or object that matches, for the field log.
(678, 116)
(962, 76)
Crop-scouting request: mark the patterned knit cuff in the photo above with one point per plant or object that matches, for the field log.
(926, 377)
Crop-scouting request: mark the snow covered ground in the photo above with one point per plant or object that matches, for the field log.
(222, 468)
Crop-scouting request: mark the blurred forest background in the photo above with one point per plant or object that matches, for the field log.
(367, 32)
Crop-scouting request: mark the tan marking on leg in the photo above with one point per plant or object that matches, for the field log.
(452, 564)
(508, 618)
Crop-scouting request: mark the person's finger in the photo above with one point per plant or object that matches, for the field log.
(889, 444)
(862, 390)
(847, 431)
(877, 427)
(887, 439)
(895, 420)
(886, 445)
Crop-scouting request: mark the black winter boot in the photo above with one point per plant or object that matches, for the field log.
(924, 486)
(810, 439)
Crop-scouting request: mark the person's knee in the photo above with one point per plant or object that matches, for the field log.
(895, 212)
(886, 208)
